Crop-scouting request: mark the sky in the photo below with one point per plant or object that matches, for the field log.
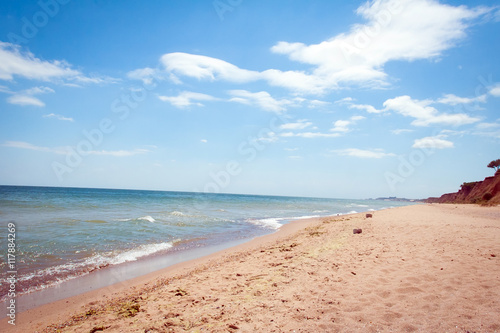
(299, 98)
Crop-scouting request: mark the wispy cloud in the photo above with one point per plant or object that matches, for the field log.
(349, 101)
(451, 99)
(119, 153)
(401, 131)
(29, 146)
(67, 149)
(361, 153)
(25, 100)
(343, 125)
(340, 127)
(435, 142)
(187, 98)
(58, 117)
(488, 129)
(310, 135)
(425, 114)
(26, 97)
(261, 99)
(298, 125)
(24, 64)
(495, 90)
(146, 75)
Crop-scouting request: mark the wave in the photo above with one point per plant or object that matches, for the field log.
(176, 213)
(147, 218)
(269, 223)
(55, 275)
(274, 222)
(144, 218)
(303, 217)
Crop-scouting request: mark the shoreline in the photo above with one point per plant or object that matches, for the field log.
(55, 310)
(413, 268)
(117, 274)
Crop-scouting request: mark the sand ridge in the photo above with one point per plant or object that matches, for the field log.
(424, 268)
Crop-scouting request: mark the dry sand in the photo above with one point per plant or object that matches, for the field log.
(424, 268)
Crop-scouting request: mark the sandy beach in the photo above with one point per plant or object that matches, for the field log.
(423, 268)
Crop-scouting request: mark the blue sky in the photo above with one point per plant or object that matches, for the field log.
(300, 98)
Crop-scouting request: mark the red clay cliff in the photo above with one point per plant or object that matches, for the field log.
(482, 192)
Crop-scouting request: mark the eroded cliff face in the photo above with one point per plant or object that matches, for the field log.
(486, 191)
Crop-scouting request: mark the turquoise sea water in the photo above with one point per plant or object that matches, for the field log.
(64, 233)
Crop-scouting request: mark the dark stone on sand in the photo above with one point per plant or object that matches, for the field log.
(369, 215)
(357, 231)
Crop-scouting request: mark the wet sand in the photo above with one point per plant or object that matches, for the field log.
(424, 268)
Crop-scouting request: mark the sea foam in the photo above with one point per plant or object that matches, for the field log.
(147, 218)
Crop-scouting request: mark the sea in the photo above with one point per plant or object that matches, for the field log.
(61, 234)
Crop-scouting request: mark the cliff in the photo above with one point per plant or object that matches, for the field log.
(482, 192)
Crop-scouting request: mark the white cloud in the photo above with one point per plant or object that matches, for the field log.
(435, 142)
(400, 131)
(425, 114)
(487, 125)
(339, 127)
(488, 129)
(392, 30)
(14, 63)
(345, 100)
(310, 135)
(65, 150)
(343, 125)
(38, 90)
(295, 157)
(58, 116)
(29, 146)
(204, 141)
(25, 97)
(365, 107)
(495, 90)
(354, 152)
(300, 124)
(317, 103)
(187, 98)
(25, 100)
(203, 67)
(269, 137)
(451, 99)
(119, 153)
(356, 118)
(146, 75)
(208, 68)
(262, 99)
